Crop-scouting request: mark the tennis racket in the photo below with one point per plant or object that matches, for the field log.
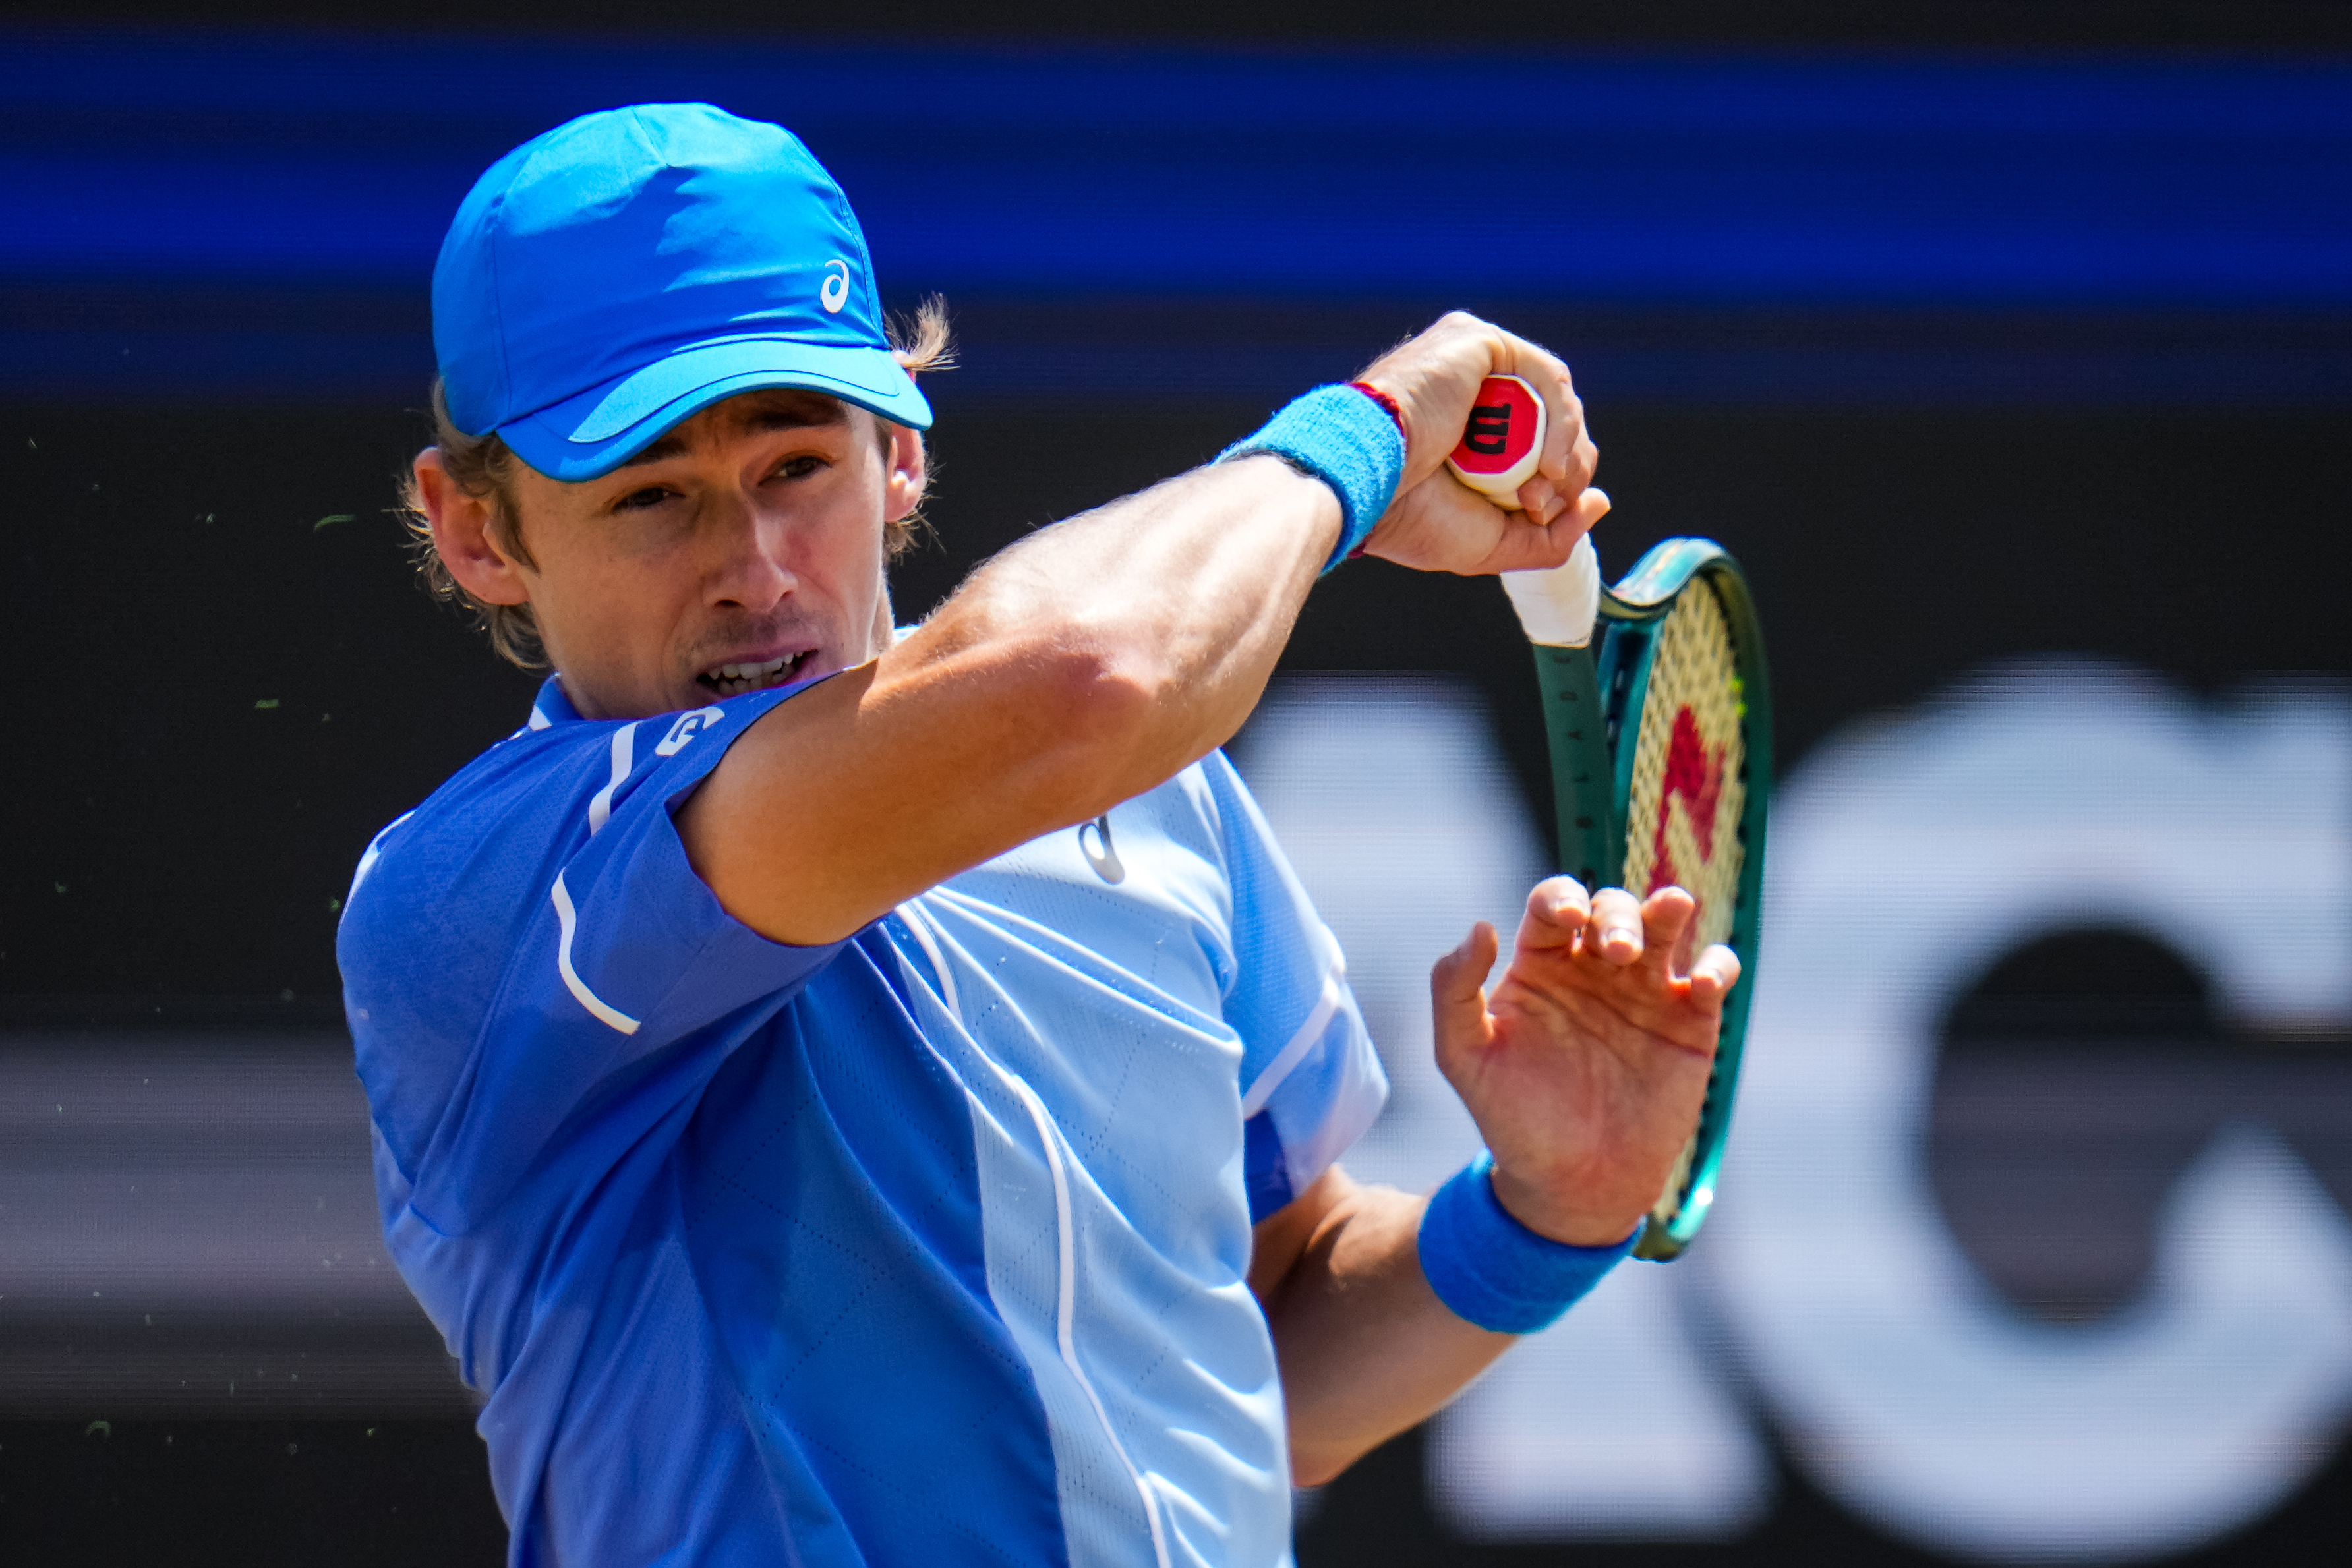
(1661, 748)
(1661, 773)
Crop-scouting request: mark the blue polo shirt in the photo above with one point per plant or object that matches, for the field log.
(928, 1246)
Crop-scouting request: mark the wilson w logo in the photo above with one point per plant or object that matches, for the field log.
(1695, 774)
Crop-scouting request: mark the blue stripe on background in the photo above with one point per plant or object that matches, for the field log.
(143, 163)
(2289, 366)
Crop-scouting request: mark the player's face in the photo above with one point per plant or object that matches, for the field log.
(743, 549)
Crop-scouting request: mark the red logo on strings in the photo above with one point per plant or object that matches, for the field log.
(1697, 777)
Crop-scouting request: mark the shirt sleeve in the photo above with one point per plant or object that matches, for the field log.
(1311, 1082)
(535, 974)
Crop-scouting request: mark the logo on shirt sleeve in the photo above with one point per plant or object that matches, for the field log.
(687, 726)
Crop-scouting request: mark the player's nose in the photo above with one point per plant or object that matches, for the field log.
(749, 567)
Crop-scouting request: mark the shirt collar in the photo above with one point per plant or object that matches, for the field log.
(551, 707)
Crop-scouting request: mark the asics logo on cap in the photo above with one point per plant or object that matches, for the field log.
(836, 292)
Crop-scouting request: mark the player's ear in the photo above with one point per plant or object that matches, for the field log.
(463, 537)
(906, 472)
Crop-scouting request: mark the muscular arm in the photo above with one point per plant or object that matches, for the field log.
(1095, 659)
(1365, 1347)
(1077, 669)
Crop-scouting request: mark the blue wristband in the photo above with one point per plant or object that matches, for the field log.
(1496, 1272)
(1348, 441)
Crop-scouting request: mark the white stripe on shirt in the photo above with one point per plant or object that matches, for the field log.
(1286, 1061)
(570, 920)
(624, 746)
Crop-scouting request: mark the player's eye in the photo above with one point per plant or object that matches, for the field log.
(799, 468)
(639, 500)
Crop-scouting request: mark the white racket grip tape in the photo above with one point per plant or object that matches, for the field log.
(1557, 607)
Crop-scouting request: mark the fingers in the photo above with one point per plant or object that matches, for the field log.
(1584, 455)
(1621, 930)
(1712, 977)
(1525, 544)
(1557, 912)
(1462, 973)
(1436, 523)
(1591, 507)
(1540, 500)
(1579, 457)
(1457, 990)
(1434, 376)
(1569, 455)
(1668, 916)
(1614, 930)
(1570, 459)
(1442, 525)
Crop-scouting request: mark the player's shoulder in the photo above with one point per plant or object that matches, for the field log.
(441, 899)
(444, 890)
(503, 823)
(455, 879)
(519, 799)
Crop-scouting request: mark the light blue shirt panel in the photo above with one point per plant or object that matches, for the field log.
(1308, 1063)
(1163, 1329)
(1104, 1513)
(1136, 1010)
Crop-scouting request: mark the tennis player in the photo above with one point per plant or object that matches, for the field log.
(858, 1098)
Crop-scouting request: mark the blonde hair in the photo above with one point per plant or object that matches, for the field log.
(483, 467)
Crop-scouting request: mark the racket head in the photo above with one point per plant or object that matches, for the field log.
(1687, 708)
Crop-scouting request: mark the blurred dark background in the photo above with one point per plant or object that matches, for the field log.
(1976, 330)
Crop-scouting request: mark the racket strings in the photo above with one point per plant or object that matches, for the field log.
(1689, 792)
(1689, 784)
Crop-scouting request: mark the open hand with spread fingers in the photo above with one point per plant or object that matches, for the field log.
(1586, 1065)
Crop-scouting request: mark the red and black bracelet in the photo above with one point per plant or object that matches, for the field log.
(1386, 402)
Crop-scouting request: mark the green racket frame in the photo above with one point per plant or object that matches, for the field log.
(1592, 715)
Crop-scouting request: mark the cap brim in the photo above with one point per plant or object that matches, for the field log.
(588, 436)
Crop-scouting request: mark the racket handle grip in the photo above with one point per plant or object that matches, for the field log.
(1557, 607)
(1504, 444)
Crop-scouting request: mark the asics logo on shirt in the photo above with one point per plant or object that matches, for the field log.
(685, 728)
(1106, 864)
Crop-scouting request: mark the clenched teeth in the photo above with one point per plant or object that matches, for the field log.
(733, 680)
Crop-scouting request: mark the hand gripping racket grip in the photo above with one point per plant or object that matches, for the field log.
(1503, 441)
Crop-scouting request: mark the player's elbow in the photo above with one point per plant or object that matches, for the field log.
(1305, 1472)
(1088, 704)
(1104, 699)
(1310, 1468)
(1126, 715)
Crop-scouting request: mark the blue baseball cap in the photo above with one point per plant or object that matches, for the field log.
(605, 280)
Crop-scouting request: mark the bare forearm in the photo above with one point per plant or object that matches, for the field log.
(1080, 668)
(1176, 602)
(1095, 659)
(1366, 1348)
